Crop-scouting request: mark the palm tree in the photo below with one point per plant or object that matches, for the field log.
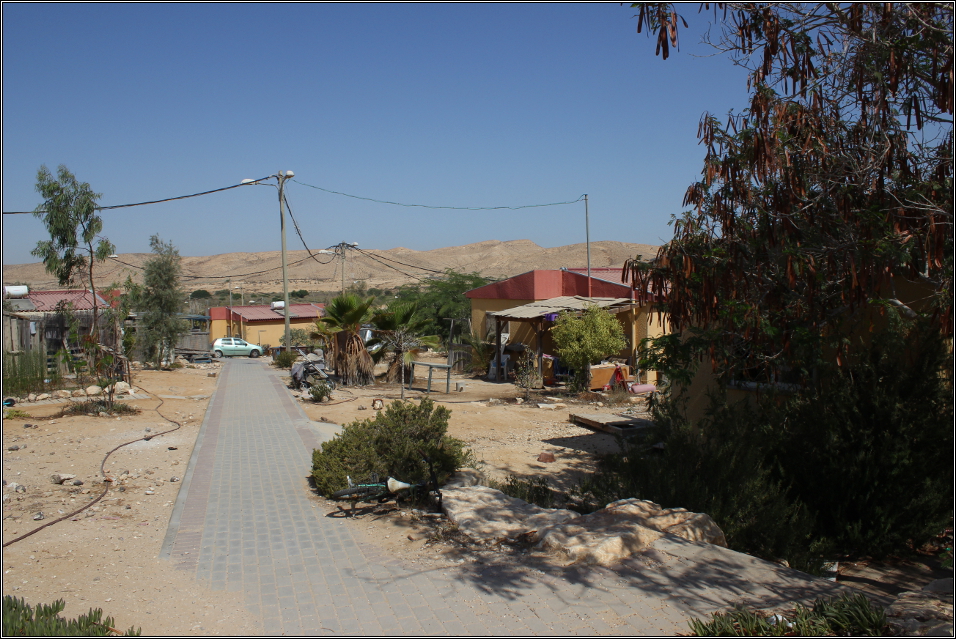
(344, 316)
(398, 330)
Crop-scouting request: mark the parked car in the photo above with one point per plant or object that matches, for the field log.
(229, 346)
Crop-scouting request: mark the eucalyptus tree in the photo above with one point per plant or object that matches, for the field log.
(161, 300)
(70, 214)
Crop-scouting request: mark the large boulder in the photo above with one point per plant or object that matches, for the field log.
(923, 613)
(94, 390)
(490, 515)
(624, 527)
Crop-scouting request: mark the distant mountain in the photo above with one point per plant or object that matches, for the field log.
(262, 272)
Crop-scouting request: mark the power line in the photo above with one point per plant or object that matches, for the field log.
(422, 268)
(428, 206)
(123, 206)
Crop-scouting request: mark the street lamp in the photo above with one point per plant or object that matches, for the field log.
(281, 177)
(242, 297)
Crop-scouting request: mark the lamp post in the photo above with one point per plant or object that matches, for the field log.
(281, 177)
(230, 308)
(242, 296)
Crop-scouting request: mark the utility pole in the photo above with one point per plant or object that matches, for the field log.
(587, 239)
(282, 176)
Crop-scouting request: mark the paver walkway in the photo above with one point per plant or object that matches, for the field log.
(243, 522)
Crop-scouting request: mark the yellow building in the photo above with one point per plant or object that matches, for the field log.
(261, 324)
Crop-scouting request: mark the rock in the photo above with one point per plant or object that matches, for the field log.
(42, 396)
(519, 400)
(62, 394)
(77, 482)
(378, 404)
(487, 514)
(924, 613)
(103, 414)
(363, 407)
(59, 478)
(79, 392)
(546, 458)
(174, 479)
(94, 390)
(465, 477)
(624, 527)
(39, 516)
(211, 374)
(122, 388)
(32, 397)
(14, 487)
(14, 447)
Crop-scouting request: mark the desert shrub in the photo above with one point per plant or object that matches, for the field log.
(320, 391)
(391, 444)
(285, 359)
(97, 406)
(534, 490)
(21, 620)
(15, 413)
(527, 375)
(847, 616)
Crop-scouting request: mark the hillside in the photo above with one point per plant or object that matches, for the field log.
(377, 268)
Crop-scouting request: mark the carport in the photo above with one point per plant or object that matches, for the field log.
(537, 313)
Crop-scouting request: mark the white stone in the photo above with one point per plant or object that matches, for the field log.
(94, 390)
(487, 514)
(62, 394)
(59, 478)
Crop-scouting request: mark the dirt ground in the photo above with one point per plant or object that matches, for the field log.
(107, 556)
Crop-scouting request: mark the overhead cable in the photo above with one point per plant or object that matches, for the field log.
(428, 206)
(123, 206)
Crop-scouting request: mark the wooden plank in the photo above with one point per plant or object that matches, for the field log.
(610, 423)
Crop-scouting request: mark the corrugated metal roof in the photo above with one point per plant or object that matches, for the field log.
(82, 300)
(265, 313)
(558, 304)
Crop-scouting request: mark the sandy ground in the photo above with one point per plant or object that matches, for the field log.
(107, 556)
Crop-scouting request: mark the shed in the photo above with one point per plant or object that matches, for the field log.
(538, 313)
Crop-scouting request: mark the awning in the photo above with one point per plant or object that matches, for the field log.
(556, 305)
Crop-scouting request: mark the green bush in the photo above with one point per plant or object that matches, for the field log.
(285, 359)
(847, 616)
(856, 462)
(21, 620)
(390, 445)
(319, 391)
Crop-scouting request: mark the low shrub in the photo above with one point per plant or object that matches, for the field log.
(15, 413)
(320, 391)
(22, 620)
(285, 359)
(847, 616)
(390, 445)
(97, 406)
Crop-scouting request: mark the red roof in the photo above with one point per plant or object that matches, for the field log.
(82, 300)
(261, 313)
(548, 284)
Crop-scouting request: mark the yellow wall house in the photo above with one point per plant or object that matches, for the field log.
(261, 324)
(491, 302)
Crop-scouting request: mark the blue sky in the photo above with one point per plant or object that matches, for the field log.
(460, 105)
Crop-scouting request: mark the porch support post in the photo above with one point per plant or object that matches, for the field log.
(497, 349)
(539, 334)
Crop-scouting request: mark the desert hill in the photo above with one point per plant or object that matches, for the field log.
(384, 269)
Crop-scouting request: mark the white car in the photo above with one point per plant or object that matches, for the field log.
(228, 346)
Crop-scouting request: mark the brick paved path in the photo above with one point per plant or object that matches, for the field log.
(243, 522)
